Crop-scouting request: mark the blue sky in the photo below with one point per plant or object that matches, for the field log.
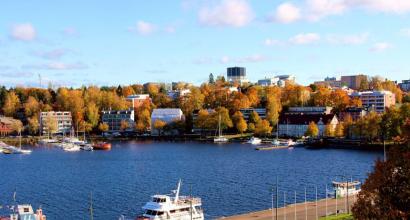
(76, 43)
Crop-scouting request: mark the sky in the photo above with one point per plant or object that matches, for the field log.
(77, 42)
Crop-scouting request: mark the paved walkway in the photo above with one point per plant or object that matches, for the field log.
(300, 211)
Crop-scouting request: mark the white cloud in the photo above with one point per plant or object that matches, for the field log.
(317, 9)
(305, 38)
(51, 54)
(225, 59)
(271, 42)
(405, 32)
(23, 32)
(58, 66)
(170, 29)
(235, 13)
(380, 47)
(348, 39)
(17, 74)
(143, 28)
(286, 13)
(387, 6)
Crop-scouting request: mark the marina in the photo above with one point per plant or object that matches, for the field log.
(230, 179)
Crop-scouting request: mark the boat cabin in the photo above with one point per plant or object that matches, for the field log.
(343, 189)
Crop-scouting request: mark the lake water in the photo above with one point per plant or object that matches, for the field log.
(230, 178)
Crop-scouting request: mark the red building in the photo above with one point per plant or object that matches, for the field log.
(6, 125)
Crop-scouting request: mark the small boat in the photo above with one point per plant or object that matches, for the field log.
(173, 207)
(220, 138)
(102, 146)
(86, 147)
(14, 150)
(254, 141)
(69, 147)
(348, 188)
(23, 212)
(48, 141)
(273, 147)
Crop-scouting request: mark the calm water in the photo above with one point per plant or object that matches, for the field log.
(231, 178)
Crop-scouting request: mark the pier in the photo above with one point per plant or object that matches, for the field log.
(300, 211)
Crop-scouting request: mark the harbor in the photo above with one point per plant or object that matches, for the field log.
(230, 178)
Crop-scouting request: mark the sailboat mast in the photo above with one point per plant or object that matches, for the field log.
(219, 126)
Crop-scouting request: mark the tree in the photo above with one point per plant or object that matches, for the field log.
(159, 125)
(263, 128)
(92, 114)
(50, 124)
(239, 121)
(312, 130)
(386, 192)
(211, 79)
(273, 108)
(251, 127)
(226, 121)
(11, 104)
(31, 107)
(329, 131)
(103, 127)
(33, 125)
(339, 130)
(254, 117)
(124, 125)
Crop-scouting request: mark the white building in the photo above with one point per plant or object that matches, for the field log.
(178, 93)
(114, 119)
(63, 120)
(138, 100)
(377, 100)
(295, 125)
(273, 81)
(168, 115)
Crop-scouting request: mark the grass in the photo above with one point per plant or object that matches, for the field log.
(338, 217)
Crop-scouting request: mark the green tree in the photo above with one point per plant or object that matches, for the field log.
(254, 117)
(251, 127)
(312, 130)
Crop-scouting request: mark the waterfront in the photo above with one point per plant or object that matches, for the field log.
(231, 179)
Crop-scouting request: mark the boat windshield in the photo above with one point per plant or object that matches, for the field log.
(159, 200)
(153, 212)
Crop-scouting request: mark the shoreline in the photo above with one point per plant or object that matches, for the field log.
(303, 211)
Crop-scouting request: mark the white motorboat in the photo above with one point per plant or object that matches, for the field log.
(173, 207)
(48, 141)
(254, 141)
(25, 212)
(348, 188)
(14, 150)
(71, 147)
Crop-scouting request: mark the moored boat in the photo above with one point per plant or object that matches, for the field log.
(348, 188)
(102, 146)
(173, 207)
(70, 147)
(254, 141)
(23, 212)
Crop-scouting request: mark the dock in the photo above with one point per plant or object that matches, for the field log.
(303, 211)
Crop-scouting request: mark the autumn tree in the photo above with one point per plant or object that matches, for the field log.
(385, 193)
(273, 109)
(254, 117)
(50, 124)
(124, 125)
(159, 125)
(329, 131)
(33, 125)
(339, 130)
(239, 101)
(103, 127)
(239, 121)
(11, 104)
(92, 114)
(222, 114)
(263, 128)
(312, 130)
(31, 107)
(322, 97)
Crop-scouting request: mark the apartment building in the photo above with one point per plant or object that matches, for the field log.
(114, 119)
(376, 100)
(62, 119)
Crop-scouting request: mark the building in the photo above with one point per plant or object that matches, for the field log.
(329, 82)
(63, 119)
(295, 125)
(273, 81)
(354, 81)
(138, 100)
(405, 85)
(168, 115)
(310, 110)
(178, 93)
(376, 100)
(6, 125)
(246, 112)
(355, 113)
(114, 119)
(236, 75)
(283, 79)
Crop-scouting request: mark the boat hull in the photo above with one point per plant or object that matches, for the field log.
(102, 146)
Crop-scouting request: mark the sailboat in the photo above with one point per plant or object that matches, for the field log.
(220, 138)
